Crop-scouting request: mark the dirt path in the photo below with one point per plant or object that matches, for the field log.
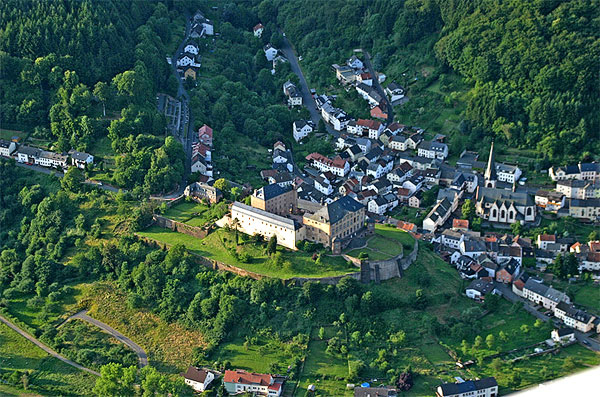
(46, 348)
(142, 356)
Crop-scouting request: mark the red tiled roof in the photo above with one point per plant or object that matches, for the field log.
(337, 162)
(201, 149)
(205, 130)
(403, 192)
(594, 246)
(371, 124)
(248, 378)
(593, 257)
(406, 226)
(519, 284)
(547, 237)
(377, 112)
(279, 143)
(259, 26)
(365, 76)
(460, 223)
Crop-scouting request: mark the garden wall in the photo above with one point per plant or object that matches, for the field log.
(193, 231)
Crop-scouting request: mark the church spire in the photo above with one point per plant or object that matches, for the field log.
(490, 171)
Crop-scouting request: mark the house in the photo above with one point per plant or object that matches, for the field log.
(270, 52)
(382, 204)
(349, 186)
(334, 116)
(293, 94)
(460, 224)
(251, 220)
(28, 154)
(201, 26)
(7, 148)
(80, 159)
(188, 59)
(202, 149)
(544, 239)
(323, 185)
(203, 191)
(584, 209)
(573, 317)
(451, 239)
(205, 135)
(378, 113)
(301, 129)
(440, 212)
(478, 289)
(398, 142)
(355, 152)
(189, 72)
(369, 93)
(191, 48)
(365, 78)
(200, 165)
(365, 196)
(509, 252)
(468, 159)
(354, 62)
(508, 173)
(387, 391)
(549, 201)
(373, 128)
(584, 171)
(275, 199)
(590, 262)
(541, 294)
(508, 272)
(501, 206)
(465, 181)
(51, 159)
(563, 335)
(258, 30)
(414, 183)
(345, 74)
(396, 176)
(432, 150)
(472, 248)
(337, 166)
(337, 220)
(198, 378)
(239, 382)
(519, 284)
(379, 168)
(415, 200)
(414, 140)
(486, 387)
(395, 92)
(579, 189)
(407, 226)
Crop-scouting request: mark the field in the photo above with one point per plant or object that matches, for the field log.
(220, 245)
(324, 371)
(195, 214)
(8, 134)
(169, 346)
(47, 375)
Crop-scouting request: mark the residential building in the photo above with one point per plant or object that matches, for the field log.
(486, 387)
(398, 142)
(541, 294)
(585, 171)
(258, 30)
(189, 72)
(439, 214)
(252, 220)
(203, 191)
(563, 335)
(275, 199)
(451, 239)
(270, 52)
(7, 148)
(502, 206)
(188, 59)
(549, 201)
(383, 203)
(573, 317)
(51, 159)
(395, 92)
(432, 150)
(198, 378)
(355, 63)
(478, 289)
(387, 391)
(337, 220)
(337, 166)
(28, 154)
(293, 94)
(413, 140)
(201, 26)
(344, 73)
(578, 188)
(301, 129)
(373, 128)
(415, 200)
(80, 159)
(369, 93)
(205, 135)
(508, 272)
(584, 209)
(378, 113)
(544, 239)
(323, 185)
(590, 262)
(239, 381)
(334, 116)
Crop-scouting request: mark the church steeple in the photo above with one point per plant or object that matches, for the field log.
(490, 171)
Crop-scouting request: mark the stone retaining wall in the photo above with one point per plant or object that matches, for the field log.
(194, 231)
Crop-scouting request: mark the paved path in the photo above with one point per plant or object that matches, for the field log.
(142, 356)
(307, 100)
(46, 348)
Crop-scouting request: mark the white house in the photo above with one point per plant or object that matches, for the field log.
(301, 129)
(258, 30)
(478, 289)
(323, 185)
(51, 159)
(191, 48)
(80, 159)
(188, 59)
(197, 378)
(573, 317)
(239, 382)
(334, 116)
(398, 142)
(354, 62)
(541, 294)
(508, 173)
(439, 214)
(486, 387)
(433, 150)
(28, 154)
(7, 148)
(294, 97)
(270, 52)
(563, 335)
(369, 93)
(337, 166)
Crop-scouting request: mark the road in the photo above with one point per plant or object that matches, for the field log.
(581, 337)
(307, 99)
(390, 108)
(142, 356)
(46, 348)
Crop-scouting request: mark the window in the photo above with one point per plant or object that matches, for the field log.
(494, 213)
(502, 214)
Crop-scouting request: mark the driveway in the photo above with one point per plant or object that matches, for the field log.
(307, 99)
(46, 348)
(142, 356)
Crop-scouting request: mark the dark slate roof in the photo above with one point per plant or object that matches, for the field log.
(337, 210)
(468, 386)
(195, 374)
(375, 392)
(271, 191)
(482, 286)
(564, 331)
(573, 312)
(490, 195)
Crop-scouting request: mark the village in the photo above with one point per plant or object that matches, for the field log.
(472, 213)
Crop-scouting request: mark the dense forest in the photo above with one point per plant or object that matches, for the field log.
(531, 65)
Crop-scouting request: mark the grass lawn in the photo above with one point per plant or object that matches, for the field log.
(185, 211)
(324, 371)
(582, 293)
(8, 134)
(393, 233)
(169, 345)
(258, 358)
(387, 243)
(49, 376)
(220, 244)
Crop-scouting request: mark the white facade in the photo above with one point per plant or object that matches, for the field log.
(200, 386)
(256, 221)
(270, 53)
(191, 48)
(7, 148)
(301, 130)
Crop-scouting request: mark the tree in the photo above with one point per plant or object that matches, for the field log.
(514, 379)
(538, 323)
(490, 341)
(272, 245)
(468, 209)
(525, 328)
(569, 364)
(236, 192)
(222, 184)
(102, 92)
(571, 265)
(322, 333)
(503, 336)
(593, 236)
(72, 180)
(496, 365)
(398, 338)
(516, 228)
(478, 342)
(115, 381)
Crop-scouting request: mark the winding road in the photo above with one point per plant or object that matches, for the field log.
(142, 356)
(46, 348)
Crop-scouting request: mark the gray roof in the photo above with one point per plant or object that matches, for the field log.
(29, 151)
(271, 191)
(375, 392)
(574, 313)
(490, 195)
(482, 286)
(335, 211)
(81, 156)
(264, 215)
(468, 386)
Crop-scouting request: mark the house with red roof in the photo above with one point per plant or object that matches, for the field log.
(205, 135)
(460, 224)
(239, 381)
(258, 30)
(407, 226)
(378, 113)
(338, 166)
(544, 239)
